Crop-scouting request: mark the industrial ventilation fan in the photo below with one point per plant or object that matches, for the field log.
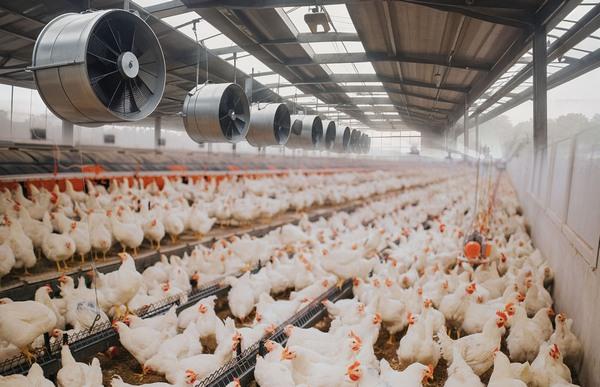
(355, 140)
(364, 143)
(330, 135)
(216, 113)
(342, 140)
(306, 133)
(99, 67)
(269, 125)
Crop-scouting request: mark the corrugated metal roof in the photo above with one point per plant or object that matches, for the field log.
(429, 55)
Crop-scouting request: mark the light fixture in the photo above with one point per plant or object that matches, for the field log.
(316, 18)
(437, 78)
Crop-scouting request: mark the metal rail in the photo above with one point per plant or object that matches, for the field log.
(242, 367)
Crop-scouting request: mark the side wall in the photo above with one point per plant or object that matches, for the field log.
(559, 189)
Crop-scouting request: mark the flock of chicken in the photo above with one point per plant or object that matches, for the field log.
(403, 253)
(61, 225)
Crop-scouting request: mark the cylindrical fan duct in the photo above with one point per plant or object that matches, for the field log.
(99, 67)
(364, 138)
(269, 125)
(330, 134)
(216, 113)
(306, 133)
(367, 147)
(355, 140)
(342, 140)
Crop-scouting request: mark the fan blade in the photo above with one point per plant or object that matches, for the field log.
(229, 129)
(101, 58)
(239, 126)
(132, 101)
(148, 72)
(241, 117)
(142, 87)
(110, 102)
(141, 93)
(144, 83)
(113, 35)
(105, 44)
(133, 38)
(102, 76)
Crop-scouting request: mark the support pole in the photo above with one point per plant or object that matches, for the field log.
(540, 90)
(477, 134)
(466, 127)
(157, 129)
(67, 133)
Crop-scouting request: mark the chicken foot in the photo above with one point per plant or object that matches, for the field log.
(28, 355)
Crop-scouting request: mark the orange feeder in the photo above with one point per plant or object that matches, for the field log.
(472, 250)
(488, 249)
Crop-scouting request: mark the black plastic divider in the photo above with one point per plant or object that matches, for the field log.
(85, 344)
(242, 366)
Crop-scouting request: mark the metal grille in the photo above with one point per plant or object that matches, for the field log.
(242, 367)
(101, 336)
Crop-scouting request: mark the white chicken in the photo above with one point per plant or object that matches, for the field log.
(477, 349)
(75, 374)
(7, 259)
(129, 235)
(35, 378)
(21, 246)
(548, 367)
(58, 248)
(459, 372)
(117, 288)
(417, 346)
(415, 375)
(22, 322)
(566, 340)
(502, 375)
(142, 343)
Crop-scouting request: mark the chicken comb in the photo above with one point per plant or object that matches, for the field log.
(502, 315)
(356, 364)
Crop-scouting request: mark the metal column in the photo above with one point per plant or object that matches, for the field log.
(466, 127)
(477, 134)
(540, 89)
(157, 130)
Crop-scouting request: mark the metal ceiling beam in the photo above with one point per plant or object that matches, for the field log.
(343, 78)
(380, 89)
(437, 60)
(586, 64)
(299, 39)
(249, 4)
(168, 8)
(589, 23)
(339, 78)
(550, 14)
(509, 13)
(17, 35)
(316, 38)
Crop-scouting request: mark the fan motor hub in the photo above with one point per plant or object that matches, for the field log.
(231, 114)
(128, 63)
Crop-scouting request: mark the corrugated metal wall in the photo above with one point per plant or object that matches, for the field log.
(559, 189)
